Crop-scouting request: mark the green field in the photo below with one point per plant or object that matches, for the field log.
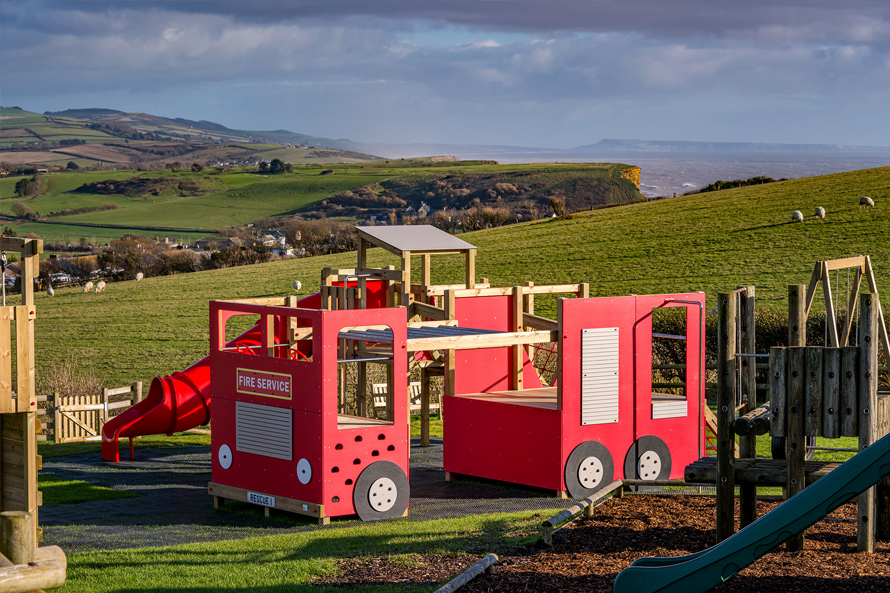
(706, 242)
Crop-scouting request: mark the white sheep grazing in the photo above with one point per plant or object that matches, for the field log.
(49, 289)
(820, 212)
(866, 201)
(100, 286)
(88, 287)
(797, 216)
(298, 285)
(139, 276)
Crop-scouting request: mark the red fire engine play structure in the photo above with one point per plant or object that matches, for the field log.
(296, 425)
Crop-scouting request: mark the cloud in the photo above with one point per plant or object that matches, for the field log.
(551, 71)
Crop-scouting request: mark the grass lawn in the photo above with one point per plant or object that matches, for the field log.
(287, 563)
(59, 491)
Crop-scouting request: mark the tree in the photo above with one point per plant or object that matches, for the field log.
(24, 188)
(277, 166)
(197, 168)
(72, 166)
(21, 209)
(264, 166)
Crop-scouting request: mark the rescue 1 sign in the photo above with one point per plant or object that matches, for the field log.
(264, 383)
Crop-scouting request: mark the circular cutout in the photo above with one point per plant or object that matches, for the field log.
(225, 457)
(381, 492)
(648, 459)
(304, 471)
(588, 468)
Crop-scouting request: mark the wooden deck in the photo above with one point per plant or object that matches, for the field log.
(346, 421)
(542, 397)
(762, 472)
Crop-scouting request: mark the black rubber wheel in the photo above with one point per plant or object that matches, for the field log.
(648, 459)
(588, 468)
(381, 492)
(777, 448)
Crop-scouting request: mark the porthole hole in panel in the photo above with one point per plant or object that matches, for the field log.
(349, 482)
(335, 469)
(391, 448)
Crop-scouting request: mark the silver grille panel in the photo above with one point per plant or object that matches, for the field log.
(264, 430)
(599, 375)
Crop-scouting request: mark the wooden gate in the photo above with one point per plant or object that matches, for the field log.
(81, 418)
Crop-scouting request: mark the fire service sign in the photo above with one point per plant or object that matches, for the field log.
(264, 383)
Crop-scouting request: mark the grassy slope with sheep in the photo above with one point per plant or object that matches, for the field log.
(710, 242)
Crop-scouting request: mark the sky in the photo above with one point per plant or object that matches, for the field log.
(554, 74)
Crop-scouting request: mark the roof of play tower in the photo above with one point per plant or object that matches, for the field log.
(419, 238)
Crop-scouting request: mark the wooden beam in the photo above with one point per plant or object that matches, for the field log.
(404, 299)
(852, 303)
(537, 322)
(882, 323)
(830, 318)
(795, 440)
(474, 341)
(517, 352)
(449, 358)
(428, 311)
(811, 289)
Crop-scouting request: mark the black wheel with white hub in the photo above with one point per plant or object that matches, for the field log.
(648, 459)
(381, 492)
(588, 469)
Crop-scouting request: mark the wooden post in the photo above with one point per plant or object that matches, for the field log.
(797, 315)
(748, 375)
(404, 299)
(813, 390)
(831, 393)
(449, 357)
(471, 268)
(726, 385)
(16, 536)
(57, 418)
(425, 275)
(778, 385)
(528, 306)
(795, 441)
(849, 391)
(517, 352)
(830, 319)
(424, 407)
(869, 342)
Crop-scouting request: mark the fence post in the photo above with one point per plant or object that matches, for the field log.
(137, 391)
(103, 413)
(57, 418)
(17, 536)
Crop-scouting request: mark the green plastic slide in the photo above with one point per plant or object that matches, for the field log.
(707, 569)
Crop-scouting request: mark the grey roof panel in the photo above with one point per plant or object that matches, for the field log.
(416, 237)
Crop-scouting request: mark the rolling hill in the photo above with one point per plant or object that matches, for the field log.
(114, 139)
(710, 242)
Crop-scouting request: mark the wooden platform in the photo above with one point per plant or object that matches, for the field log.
(450, 337)
(542, 397)
(221, 492)
(346, 421)
(762, 472)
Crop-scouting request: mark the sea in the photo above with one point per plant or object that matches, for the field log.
(674, 174)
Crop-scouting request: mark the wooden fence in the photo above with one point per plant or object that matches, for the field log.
(81, 418)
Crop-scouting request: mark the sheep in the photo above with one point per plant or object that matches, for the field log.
(139, 276)
(49, 289)
(297, 285)
(866, 201)
(100, 286)
(797, 216)
(88, 287)
(820, 212)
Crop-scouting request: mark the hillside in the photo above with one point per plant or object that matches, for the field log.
(105, 137)
(212, 199)
(711, 242)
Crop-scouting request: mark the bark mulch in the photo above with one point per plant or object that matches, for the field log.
(588, 554)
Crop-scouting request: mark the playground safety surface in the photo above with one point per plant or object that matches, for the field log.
(588, 554)
(175, 507)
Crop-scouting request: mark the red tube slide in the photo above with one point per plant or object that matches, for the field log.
(175, 403)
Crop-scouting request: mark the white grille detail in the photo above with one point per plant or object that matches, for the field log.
(264, 430)
(599, 375)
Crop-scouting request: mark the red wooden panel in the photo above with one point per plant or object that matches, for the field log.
(500, 441)
(684, 437)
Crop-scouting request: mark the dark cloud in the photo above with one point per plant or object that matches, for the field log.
(578, 71)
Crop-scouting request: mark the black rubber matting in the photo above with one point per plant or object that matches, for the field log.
(175, 507)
